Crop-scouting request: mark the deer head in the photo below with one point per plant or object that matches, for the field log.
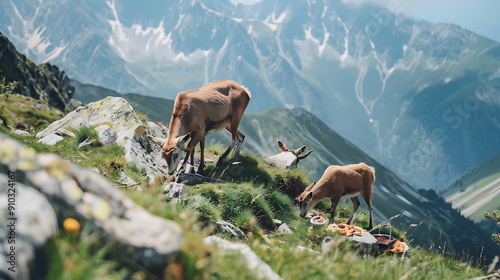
(171, 152)
(288, 159)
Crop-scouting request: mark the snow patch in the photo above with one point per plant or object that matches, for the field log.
(408, 214)
(403, 199)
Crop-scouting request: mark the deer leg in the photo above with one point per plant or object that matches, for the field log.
(367, 195)
(195, 139)
(241, 138)
(192, 158)
(202, 155)
(184, 162)
(355, 202)
(231, 147)
(334, 201)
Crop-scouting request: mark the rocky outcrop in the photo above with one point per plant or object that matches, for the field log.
(119, 123)
(79, 193)
(43, 82)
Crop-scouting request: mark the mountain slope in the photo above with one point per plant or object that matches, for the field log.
(42, 82)
(391, 196)
(477, 191)
(410, 93)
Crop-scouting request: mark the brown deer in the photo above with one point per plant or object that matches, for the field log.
(200, 112)
(288, 159)
(339, 181)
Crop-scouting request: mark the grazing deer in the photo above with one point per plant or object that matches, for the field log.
(339, 181)
(288, 159)
(200, 112)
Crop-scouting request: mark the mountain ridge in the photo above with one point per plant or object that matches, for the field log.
(363, 64)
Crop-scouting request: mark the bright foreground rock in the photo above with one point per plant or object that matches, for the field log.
(115, 113)
(261, 269)
(75, 192)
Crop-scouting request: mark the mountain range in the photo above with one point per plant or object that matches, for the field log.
(421, 98)
(425, 217)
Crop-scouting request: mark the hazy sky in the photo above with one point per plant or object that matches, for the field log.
(480, 16)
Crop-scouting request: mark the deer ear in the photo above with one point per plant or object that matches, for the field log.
(282, 146)
(310, 187)
(309, 196)
(298, 151)
(179, 141)
(304, 156)
(159, 141)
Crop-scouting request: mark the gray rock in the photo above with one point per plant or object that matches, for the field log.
(126, 180)
(36, 223)
(90, 198)
(106, 134)
(86, 143)
(223, 226)
(50, 139)
(64, 132)
(22, 132)
(261, 269)
(130, 131)
(158, 130)
(327, 244)
(175, 192)
(277, 222)
(284, 229)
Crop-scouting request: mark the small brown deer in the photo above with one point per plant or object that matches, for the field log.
(339, 181)
(200, 112)
(288, 159)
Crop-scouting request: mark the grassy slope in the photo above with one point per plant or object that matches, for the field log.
(438, 222)
(16, 108)
(465, 191)
(81, 256)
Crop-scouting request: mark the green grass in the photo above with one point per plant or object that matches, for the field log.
(254, 196)
(81, 256)
(25, 114)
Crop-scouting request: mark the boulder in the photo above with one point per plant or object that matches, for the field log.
(117, 114)
(106, 134)
(35, 222)
(261, 269)
(82, 194)
(51, 139)
(157, 130)
(223, 226)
